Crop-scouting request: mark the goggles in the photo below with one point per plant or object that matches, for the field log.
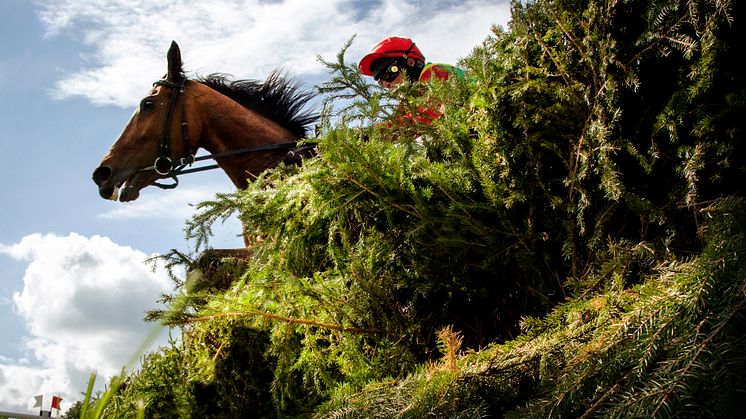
(388, 73)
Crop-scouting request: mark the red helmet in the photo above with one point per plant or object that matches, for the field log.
(393, 47)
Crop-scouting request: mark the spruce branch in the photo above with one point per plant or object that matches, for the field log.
(361, 100)
(684, 373)
(272, 316)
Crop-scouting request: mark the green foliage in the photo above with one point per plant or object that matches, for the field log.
(672, 345)
(159, 389)
(586, 168)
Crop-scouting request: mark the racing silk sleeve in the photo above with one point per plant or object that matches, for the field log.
(426, 115)
(434, 72)
(440, 72)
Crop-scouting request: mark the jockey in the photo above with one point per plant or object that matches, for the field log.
(393, 58)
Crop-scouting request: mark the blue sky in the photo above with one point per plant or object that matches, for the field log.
(72, 281)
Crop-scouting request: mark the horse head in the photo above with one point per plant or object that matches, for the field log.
(247, 125)
(157, 135)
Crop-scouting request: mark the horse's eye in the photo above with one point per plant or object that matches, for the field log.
(147, 104)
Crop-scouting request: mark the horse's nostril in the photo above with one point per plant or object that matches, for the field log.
(101, 174)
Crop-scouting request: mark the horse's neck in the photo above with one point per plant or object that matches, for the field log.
(229, 126)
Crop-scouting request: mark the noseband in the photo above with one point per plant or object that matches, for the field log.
(164, 165)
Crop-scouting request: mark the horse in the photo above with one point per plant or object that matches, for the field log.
(248, 127)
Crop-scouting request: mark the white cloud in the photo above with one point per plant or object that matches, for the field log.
(128, 39)
(83, 301)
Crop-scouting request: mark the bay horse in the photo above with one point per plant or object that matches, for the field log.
(246, 125)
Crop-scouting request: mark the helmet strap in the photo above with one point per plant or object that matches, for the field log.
(406, 53)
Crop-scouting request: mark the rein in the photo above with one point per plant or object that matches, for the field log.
(165, 166)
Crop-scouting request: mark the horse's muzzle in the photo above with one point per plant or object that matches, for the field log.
(101, 177)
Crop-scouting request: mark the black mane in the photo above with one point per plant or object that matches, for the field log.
(278, 98)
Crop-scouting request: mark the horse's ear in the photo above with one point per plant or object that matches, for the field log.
(174, 62)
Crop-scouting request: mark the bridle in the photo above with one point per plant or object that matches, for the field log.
(164, 165)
